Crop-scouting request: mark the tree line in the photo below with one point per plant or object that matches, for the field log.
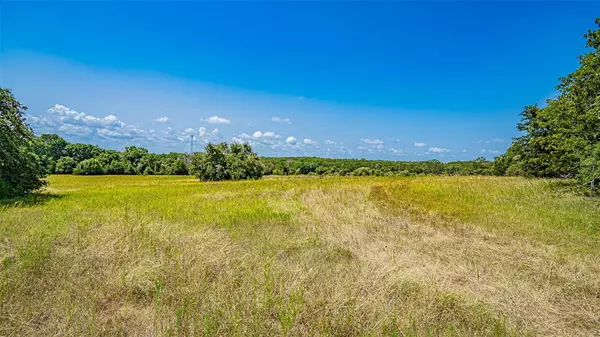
(224, 162)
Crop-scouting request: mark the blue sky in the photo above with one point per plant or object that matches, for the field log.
(389, 80)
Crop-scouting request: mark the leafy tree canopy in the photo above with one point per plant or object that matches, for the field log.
(562, 138)
(20, 171)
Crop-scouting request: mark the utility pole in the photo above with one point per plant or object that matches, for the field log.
(192, 145)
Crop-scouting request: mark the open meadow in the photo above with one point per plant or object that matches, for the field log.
(344, 256)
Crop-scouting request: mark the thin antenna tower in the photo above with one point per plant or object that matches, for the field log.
(192, 145)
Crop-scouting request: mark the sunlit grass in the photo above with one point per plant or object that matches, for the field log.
(158, 255)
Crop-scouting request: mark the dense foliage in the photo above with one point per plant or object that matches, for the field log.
(562, 139)
(363, 167)
(227, 162)
(57, 156)
(20, 171)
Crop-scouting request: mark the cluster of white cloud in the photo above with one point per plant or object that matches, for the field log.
(272, 141)
(490, 151)
(70, 122)
(420, 144)
(372, 141)
(281, 120)
(89, 128)
(333, 142)
(438, 149)
(216, 120)
(493, 140)
(268, 138)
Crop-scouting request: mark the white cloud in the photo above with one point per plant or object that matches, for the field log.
(163, 119)
(216, 120)
(291, 140)
(75, 130)
(309, 141)
(281, 120)
(463, 151)
(372, 141)
(329, 142)
(438, 150)
(268, 138)
(490, 151)
(91, 129)
(418, 144)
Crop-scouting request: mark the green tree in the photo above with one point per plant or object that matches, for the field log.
(223, 162)
(81, 152)
(65, 165)
(134, 154)
(20, 171)
(50, 145)
(90, 167)
(560, 139)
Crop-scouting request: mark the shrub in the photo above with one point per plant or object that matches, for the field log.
(90, 167)
(589, 173)
(362, 171)
(179, 167)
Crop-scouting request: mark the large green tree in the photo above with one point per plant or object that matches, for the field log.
(49, 148)
(224, 162)
(20, 171)
(562, 138)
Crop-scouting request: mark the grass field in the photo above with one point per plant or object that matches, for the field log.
(160, 255)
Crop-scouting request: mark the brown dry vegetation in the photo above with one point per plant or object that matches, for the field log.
(158, 256)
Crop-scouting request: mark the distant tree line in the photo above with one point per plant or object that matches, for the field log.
(562, 139)
(225, 162)
(363, 167)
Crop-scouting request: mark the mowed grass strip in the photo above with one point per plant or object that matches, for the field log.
(159, 255)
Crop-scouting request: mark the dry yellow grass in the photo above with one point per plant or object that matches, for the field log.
(160, 256)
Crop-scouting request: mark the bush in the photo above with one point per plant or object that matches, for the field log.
(65, 165)
(589, 173)
(90, 167)
(362, 171)
(179, 167)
